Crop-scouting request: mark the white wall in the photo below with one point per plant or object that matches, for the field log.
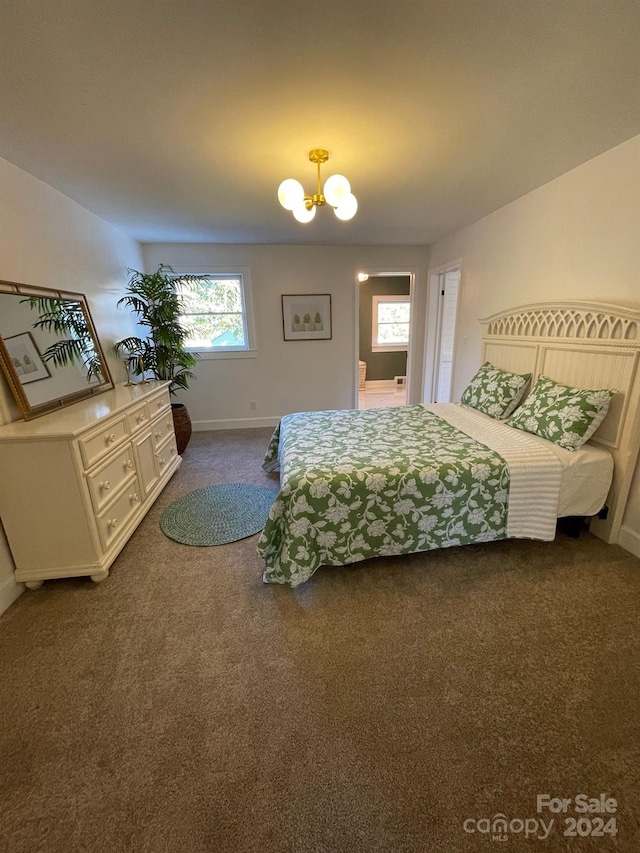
(287, 376)
(48, 240)
(577, 237)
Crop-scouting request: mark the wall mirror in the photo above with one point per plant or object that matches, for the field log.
(49, 349)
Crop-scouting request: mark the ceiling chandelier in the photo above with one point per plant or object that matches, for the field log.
(336, 193)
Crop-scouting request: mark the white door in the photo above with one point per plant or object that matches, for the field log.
(447, 310)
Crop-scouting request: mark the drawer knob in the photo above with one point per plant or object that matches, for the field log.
(140, 418)
(105, 484)
(158, 435)
(110, 437)
(162, 460)
(113, 522)
(159, 404)
(128, 464)
(134, 497)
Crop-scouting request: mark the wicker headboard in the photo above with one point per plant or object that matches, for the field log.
(586, 345)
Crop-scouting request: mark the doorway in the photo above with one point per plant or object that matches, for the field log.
(384, 336)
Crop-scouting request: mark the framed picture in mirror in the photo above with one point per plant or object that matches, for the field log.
(26, 359)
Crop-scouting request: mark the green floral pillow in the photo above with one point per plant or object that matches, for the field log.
(567, 416)
(495, 392)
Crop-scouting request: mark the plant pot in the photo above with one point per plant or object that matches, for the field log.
(182, 426)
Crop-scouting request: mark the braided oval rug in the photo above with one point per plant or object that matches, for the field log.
(218, 514)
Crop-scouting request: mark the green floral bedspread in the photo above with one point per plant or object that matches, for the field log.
(359, 484)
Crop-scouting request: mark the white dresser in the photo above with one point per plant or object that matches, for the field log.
(75, 484)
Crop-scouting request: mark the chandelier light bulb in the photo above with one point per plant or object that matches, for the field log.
(301, 213)
(347, 208)
(336, 189)
(291, 194)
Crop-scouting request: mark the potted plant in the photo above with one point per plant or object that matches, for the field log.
(155, 298)
(297, 326)
(307, 322)
(318, 321)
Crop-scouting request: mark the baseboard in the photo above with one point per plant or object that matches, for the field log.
(629, 540)
(237, 423)
(9, 591)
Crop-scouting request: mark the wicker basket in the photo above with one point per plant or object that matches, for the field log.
(182, 426)
(362, 375)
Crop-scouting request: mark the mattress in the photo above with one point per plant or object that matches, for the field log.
(585, 480)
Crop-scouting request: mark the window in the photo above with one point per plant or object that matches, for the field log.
(390, 317)
(215, 313)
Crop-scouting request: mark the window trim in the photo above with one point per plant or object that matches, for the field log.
(220, 272)
(375, 301)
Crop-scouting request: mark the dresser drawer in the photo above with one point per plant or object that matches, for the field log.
(97, 445)
(159, 401)
(108, 479)
(162, 428)
(138, 417)
(114, 520)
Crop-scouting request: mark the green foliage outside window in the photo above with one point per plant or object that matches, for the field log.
(393, 322)
(212, 313)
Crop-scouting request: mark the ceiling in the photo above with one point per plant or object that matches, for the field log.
(176, 120)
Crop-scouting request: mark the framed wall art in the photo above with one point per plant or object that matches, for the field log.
(306, 316)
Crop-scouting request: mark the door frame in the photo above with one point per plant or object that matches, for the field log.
(432, 327)
(414, 273)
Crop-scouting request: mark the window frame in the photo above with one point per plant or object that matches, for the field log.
(228, 272)
(376, 299)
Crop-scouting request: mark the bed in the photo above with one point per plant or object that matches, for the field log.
(357, 484)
